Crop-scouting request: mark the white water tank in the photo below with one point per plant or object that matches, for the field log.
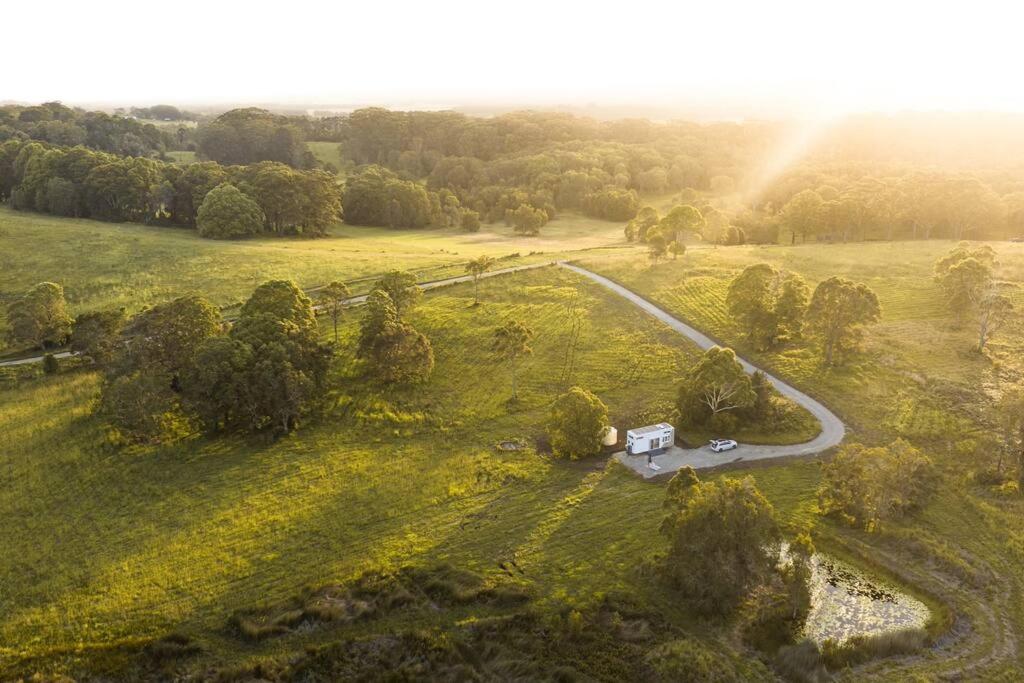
(611, 435)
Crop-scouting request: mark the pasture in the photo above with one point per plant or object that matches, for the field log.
(105, 265)
(152, 540)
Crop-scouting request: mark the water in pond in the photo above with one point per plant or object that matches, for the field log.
(846, 603)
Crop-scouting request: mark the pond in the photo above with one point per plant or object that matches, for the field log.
(845, 602)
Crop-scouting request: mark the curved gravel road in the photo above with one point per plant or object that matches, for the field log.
(832, 428)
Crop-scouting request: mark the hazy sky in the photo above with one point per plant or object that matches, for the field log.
(823, 56)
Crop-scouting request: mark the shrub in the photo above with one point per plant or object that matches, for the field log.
(866, 486)
(51, 366)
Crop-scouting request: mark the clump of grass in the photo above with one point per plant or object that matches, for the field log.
(801, 662)
(171, 647)
(806, 662)
(860, 649)
(375, 594)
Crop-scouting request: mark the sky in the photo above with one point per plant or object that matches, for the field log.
(809, 58)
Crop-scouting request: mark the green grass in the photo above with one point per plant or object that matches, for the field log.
(105, 265)
(182, 156)
(328, 153)
(917, 377)
(107, 546)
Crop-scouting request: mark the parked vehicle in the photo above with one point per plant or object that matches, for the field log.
(720, 445)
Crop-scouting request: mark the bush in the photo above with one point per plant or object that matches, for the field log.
(865, 486)
(51, 366)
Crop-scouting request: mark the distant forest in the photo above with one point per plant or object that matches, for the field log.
(910, 177)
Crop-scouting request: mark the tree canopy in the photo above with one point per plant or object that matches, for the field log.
(576, 424)
(837, 313)
(227, 213)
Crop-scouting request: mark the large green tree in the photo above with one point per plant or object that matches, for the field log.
(838, 311)
(803, 214)
(227, 213)
(680, 221)
(868, 485)
(576, 424)
(767, 303)
(716, 384)
(39, 317)
(723, 540)
(96, 334)
(392, 348)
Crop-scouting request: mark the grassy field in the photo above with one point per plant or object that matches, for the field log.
(106, 546)
(182, 156)
(918, 377)
(105, 265)
(109, 547)
(327, 153)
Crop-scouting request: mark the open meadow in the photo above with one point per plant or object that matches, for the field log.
(178, 538)
(104, 265)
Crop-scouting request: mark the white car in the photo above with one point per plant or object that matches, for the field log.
(719, 445)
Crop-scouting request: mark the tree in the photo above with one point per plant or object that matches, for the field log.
(476, 268)
(865, 486)
(715, 384)
(723, 542)
(395, 351)
(769, 304)
(527, 220)
(655, 248)
(576, 424)
(39, 317)
(676, 248)
(164, 338)
(637, 228)
(470, 221)
(716, 226)
(838, 310)
(774, 613)
(226, 213)
(141, 407)
(334, 295)
(965, 276)
(680, 221)
(215, 385)
(996, 309)
(802, 214)
(278, 362)
(512, 342)
(401, 288)
(283, 300)
(96, 335)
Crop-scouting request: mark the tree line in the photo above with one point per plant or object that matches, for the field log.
(80, 182)
(57, 124)
(180, 366)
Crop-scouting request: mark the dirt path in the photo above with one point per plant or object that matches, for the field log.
(832, 428)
